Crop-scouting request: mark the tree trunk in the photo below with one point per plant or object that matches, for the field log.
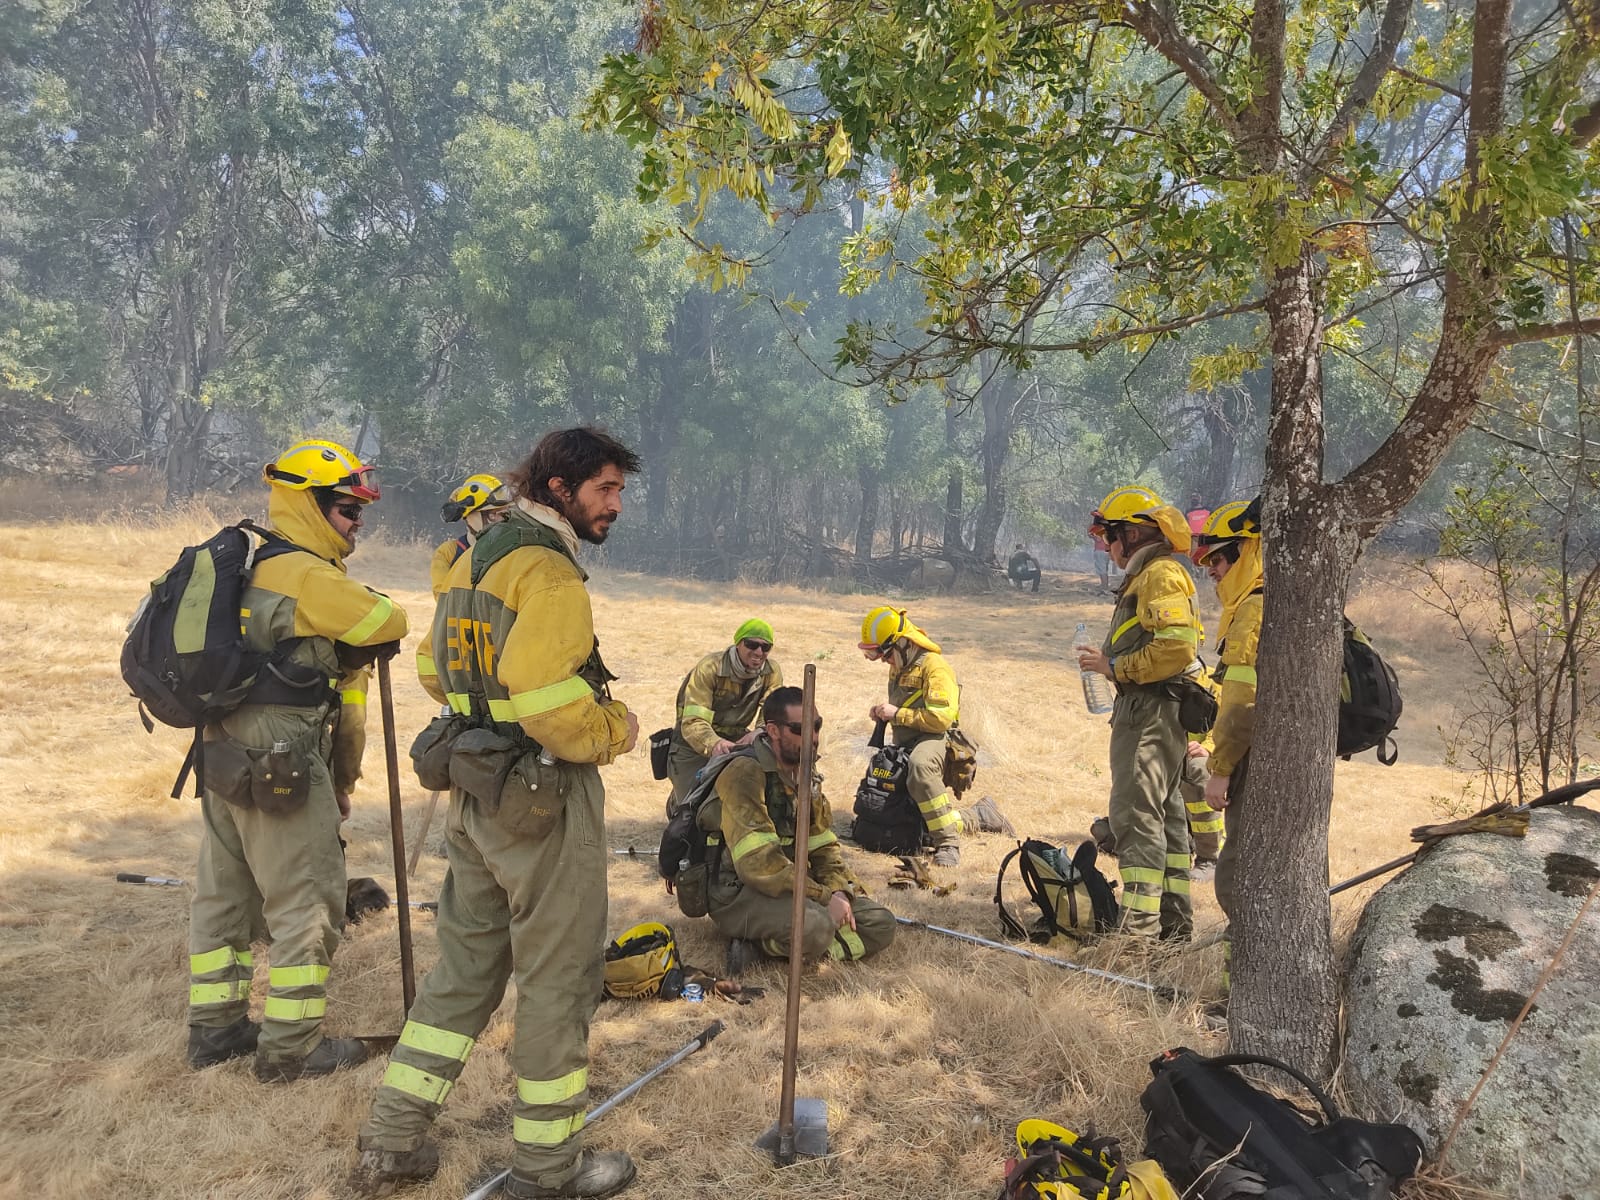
(867, 525)
(1002, 400)
(952, 495)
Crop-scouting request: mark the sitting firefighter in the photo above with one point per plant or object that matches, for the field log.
(923, 704)
(718, 703)
(751, 891)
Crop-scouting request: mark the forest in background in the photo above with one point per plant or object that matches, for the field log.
(225, 226)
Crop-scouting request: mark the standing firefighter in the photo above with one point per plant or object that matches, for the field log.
(751, 894)
(1152, 645)
(480, 501)
(513, 650)
(1229, 548)
(923, 704)
(270, 859)
(718, 703)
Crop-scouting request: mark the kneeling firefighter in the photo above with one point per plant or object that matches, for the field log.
(750, 893)
(270, 860)
(922, 709)
(1149, 651)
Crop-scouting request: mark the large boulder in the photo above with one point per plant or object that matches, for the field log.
(1445, 957)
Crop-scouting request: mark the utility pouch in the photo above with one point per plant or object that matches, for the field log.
(480, 761)
(692, 885)
(1197, 705)
(227, 771)
(280, 778)
(960, 761)
(533, 797)
(430, 751)
(660, 748)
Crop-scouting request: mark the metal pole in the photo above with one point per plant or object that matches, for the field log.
(1155, 989)
(422, 834)
(397, 835)
(797, 926)
(594, 1114)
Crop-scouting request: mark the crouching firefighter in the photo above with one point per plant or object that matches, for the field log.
(923, 706)
(749, 816)
(278, 773)
(512, 649)
(1150, 650)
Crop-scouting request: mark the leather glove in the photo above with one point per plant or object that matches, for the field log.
(354, 657)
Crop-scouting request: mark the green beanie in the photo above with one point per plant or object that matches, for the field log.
(754, 627)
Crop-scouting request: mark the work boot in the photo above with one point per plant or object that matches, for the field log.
(1104, 841)
(213, 1044)
(330, 1055)
(985, 817)
(947, 855)
(742, 955)
(1204, 868)
(379, 1172)
(600, 1173)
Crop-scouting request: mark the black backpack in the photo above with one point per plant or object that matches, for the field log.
(185, 658)
(1369, 700)
(1073, 897)
(887, 820)
(1217, 1137)
(687, 855)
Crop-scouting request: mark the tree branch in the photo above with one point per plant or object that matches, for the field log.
(1517, 335)
(1154, 21)
(1396, 15)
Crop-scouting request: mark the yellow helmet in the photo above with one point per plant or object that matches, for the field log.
(1225, 524)
(1125, 504)
(317, 464)
(883, 625)
(478, 492)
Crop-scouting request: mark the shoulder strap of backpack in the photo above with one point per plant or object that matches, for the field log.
(1250, 1060)
(501, 538)
(1008, 922)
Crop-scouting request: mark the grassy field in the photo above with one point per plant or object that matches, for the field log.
(926, 1056)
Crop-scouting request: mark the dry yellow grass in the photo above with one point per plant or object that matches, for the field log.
(926, 1056)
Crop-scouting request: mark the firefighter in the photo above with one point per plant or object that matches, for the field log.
(751, 895)
(718, 703)
(480, 501)
(279, 875)
(923, 705)
(512, 649)
(1154, 637)
(1228, 548)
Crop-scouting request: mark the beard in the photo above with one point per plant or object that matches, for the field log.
(789, 756)
(590, 526)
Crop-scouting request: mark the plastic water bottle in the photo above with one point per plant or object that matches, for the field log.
(1096, 687)
(693, 993)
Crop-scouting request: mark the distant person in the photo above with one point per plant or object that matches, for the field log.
(923, 705)
(718, 703)
(1152, 640)
(1023, 568)
(1229, 549)
(524, 897)
(1196, 516)
(279, 875)
(480, 501)
(751, 892)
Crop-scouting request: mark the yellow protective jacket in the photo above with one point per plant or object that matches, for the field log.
(754, 808)
(714, 703)
(443, 559)
(1155, 631)
(927, 695)
(309, 596)
(1240, 633)
(519, 648)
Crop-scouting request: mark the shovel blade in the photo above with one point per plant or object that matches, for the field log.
(810, 1133)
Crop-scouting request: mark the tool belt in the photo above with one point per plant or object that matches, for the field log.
(509, 778)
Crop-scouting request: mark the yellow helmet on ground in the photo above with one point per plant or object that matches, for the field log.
(477, 493)
(1226, 524)
(319, 464)
(883, 625)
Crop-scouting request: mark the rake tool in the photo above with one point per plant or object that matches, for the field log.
(701, 1039)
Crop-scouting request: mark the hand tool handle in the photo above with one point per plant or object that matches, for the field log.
(397, 834)
(163, 880)
(797, 926)
(875, 742)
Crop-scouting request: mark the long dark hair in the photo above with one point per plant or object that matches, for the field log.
(573, 456)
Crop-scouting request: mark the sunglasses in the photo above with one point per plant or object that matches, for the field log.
(753, 644)
(350, 512)
(796, 727)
